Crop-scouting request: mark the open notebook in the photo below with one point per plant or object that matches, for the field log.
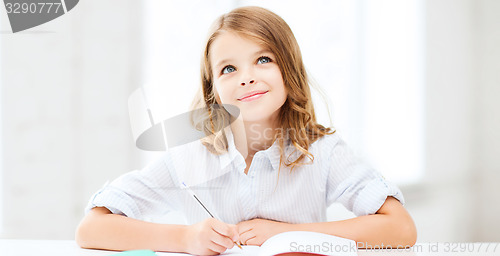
(295, 243)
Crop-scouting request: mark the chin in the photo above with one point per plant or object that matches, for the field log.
(256, 115)
(253, 119)
(259, 111)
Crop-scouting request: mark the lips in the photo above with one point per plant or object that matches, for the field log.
(250, 94)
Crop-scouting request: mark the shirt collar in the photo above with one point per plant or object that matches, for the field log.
(272, 153)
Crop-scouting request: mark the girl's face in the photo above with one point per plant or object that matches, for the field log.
(245, 74)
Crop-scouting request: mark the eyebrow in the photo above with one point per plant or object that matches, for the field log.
(229, 60)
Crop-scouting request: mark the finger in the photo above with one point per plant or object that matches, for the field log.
(244, 226)
(225, 230)
(245, 232)
(246, 237)
(235, 231)
(221, 240)
(252, 241)
(216, 247)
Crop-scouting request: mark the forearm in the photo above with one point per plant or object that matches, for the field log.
(368, 231)
(392, 226)
(115, 232)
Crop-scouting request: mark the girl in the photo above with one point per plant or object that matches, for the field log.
(277, 169)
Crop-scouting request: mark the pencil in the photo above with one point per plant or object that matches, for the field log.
(195, 197)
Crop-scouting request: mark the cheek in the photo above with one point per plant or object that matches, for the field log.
(276, 81)
(222, 93)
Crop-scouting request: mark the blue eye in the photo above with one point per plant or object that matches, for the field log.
(228, 69)
(263, 60)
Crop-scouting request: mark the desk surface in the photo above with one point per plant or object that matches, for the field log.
(70, 248)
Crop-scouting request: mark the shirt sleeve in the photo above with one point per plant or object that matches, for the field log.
(141, 194)
(356, 185)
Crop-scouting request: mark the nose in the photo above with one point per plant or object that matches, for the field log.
(249, 82)
(247, 75)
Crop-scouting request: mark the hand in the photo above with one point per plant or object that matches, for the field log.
(257, 231)
(209, 237)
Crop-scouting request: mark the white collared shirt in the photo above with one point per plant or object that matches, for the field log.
(301, 196)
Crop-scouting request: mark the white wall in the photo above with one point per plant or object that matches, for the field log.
(459, 200)
(65, 127)
(65, 87)
(487, 119)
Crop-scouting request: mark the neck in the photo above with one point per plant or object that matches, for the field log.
(250, 137)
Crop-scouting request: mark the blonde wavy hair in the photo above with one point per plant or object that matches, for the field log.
(296, 116)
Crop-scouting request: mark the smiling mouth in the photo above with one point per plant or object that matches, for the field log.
(253, 96)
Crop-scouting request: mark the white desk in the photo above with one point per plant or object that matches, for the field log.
(70, 248)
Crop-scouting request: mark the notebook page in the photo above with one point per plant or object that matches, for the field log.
(311, 242)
